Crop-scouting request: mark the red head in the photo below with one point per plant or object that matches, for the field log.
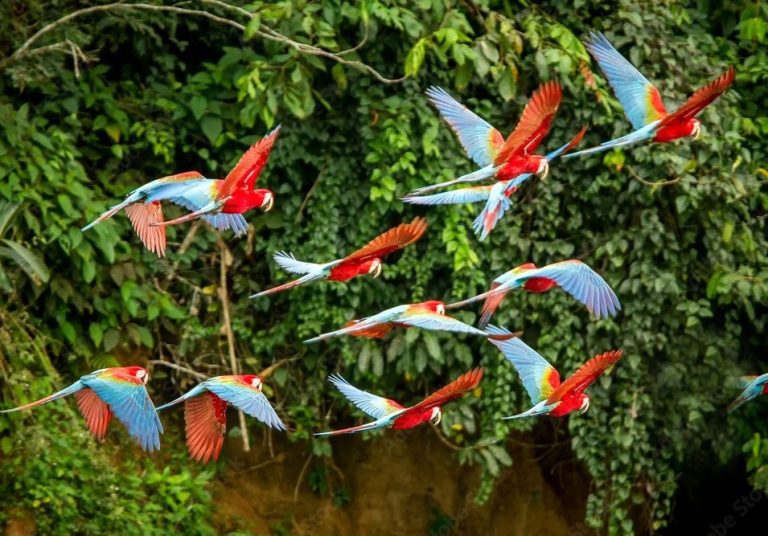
(677, 130)
(434, 306)
(412, 419)
(252, 380)
(371, 267)
(243, 200)
(140, 373)
(578, 402)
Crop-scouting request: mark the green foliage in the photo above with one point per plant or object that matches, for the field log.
(679, 230)
(68, 484)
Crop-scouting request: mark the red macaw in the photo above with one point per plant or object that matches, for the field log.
(573, 276)
(499, 159)
(119, 391)
(542, 381)
(221, 203)
(429, 315)
(496, 196)
(366, 260)
(642, 101)
(753, 386)
(205, 411)
(390, 414)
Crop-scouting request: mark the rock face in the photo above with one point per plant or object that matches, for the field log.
(403, 483)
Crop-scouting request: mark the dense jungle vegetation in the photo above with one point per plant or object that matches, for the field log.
(114, 95)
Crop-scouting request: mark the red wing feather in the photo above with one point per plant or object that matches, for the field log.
(247, 171)
(701, 99)
(390, 241)
(587, 373)
(456, 389)
(490, 305)
(576, 139)
(534, 124)
(95, 411)
(143, 216)
(378, 331)
(206, 418)
(184, 176)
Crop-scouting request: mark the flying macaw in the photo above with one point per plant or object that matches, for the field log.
(205, 411)
(429, 315)
(499, 159)
(753, 386)
(119, 391)
(221, 203)
(542, 381)
(642, 101)
(496, 196)
(390, 414)
(573, 276)
(366, 260)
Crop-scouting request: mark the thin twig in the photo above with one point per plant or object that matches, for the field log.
(300, 212)
(267, 372)
(225, 261)
(301, 477)
(180, 368)
(649, 183)
(185, 244)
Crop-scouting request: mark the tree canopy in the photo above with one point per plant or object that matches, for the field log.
(97, 101)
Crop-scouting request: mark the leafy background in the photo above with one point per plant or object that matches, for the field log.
(116, 97)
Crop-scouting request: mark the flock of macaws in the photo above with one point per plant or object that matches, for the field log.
(508, 163)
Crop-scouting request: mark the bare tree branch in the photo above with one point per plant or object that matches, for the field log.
(226, 261)
(174, 366)
(264, 32)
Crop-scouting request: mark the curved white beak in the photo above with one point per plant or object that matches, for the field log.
(544, 169)
(269, 202)
(697, 131)
(437, 417)
(376, 270)
(584, 406)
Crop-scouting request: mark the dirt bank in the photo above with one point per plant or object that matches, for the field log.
(402, 484)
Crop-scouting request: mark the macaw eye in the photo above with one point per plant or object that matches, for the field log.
(441, 309)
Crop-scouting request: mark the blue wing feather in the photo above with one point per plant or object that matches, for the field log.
(131, 404)
(373, 405)
(631, 87)
(247, 399)
(454, 197)
(474, 133)
(531, 366)
(581, 282)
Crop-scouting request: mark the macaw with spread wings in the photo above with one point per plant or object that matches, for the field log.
(541, 380)
(221, 203)
(205, 411)
(118, 391)
(499, 159)
(642, 102)
(366, 260)
(753, 387)
(429, 315)
(390, 414)
(573, 276)
(496, 196)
